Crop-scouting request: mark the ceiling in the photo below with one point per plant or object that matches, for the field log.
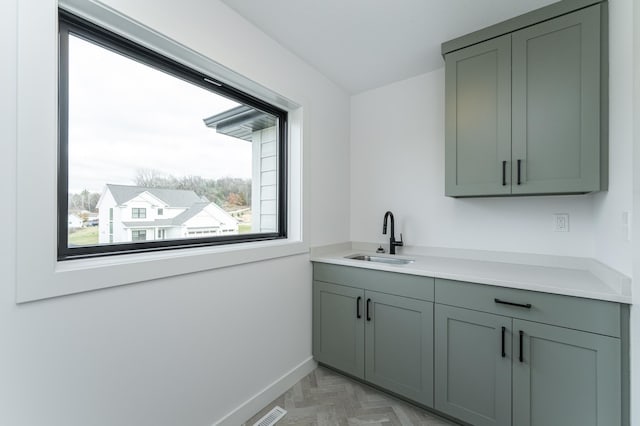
(363, 44)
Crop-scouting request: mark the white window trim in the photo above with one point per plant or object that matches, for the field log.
(39, 274)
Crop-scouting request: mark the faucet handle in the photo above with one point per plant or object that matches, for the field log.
(399, 243)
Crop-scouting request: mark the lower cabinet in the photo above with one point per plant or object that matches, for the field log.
(338, 327)
(384, 339)
(473, 365)
(565, 377)
(486, 355)
(499, 370)
(399, 345)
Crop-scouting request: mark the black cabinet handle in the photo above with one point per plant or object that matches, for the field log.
(520, 305)
(504, 173)
(519, 181)
(368, 309)
(521, 339)
(358, 315)
(504, 354)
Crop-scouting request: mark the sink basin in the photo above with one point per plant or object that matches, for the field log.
(380, 259)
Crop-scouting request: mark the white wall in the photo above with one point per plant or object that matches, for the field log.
(185, 350)
(397, 164)
(610, 237)
(397, 145)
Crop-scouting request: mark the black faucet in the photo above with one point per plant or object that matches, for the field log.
(392, 240)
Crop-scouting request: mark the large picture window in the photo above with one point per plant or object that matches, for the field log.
(147, 142)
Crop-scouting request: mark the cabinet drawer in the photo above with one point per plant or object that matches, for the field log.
(414, 286)
(595, 316)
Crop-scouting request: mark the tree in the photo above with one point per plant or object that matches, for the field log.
(94, 197)
(225, 191)
(235, 199)
(84, 201)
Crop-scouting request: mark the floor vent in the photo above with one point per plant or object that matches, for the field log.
(272, 417)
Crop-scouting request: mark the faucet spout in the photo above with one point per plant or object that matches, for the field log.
(384, 222)
(392, 237)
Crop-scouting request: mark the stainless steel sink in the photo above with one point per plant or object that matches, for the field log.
(380, 259)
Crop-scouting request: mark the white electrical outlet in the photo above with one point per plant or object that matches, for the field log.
(626, 225)
(561, 222)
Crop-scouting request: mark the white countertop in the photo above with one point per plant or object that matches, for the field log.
(559, 275)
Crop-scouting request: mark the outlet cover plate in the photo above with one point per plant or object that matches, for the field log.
(561, 222)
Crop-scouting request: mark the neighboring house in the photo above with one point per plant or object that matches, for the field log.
(74, 222)
(247, 123)
(135, 213)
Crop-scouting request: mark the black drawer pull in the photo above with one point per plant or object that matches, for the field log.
(504, 173)
(521, 339)
(519, 181)
(358, 315)
(521, 305)
(504, 354)
(368, 309)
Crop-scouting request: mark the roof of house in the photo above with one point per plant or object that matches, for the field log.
(172, 197)
(189, 213)
(240, 122)
(148, 223)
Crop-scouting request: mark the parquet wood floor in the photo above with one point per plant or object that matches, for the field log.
(326, 398)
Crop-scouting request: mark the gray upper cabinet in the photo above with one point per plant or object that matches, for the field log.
(556, 105)
(478, 119)
(523, 110)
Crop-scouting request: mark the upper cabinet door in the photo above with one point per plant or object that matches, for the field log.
(478, 119)
(556, 105)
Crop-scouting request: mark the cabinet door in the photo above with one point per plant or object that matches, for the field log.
(566, 377)
(556, 105)
(478, 119)
(399, 345)
(473, 365)
(338, 332)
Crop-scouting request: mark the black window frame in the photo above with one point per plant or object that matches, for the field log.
(70, 23)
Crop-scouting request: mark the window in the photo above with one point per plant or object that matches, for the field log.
(138, 234)
(161, 133)
(138, 213)
(39, 276)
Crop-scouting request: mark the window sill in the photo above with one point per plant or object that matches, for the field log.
(76, 276)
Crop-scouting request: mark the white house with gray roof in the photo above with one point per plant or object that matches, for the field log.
(135, 213)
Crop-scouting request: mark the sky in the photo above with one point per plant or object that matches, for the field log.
(125, 116)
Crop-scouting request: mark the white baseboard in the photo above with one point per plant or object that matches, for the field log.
(260, 400)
